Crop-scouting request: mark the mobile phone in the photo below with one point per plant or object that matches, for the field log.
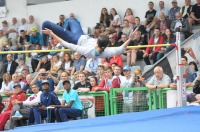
(44, 74)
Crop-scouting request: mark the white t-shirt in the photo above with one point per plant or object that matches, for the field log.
(86, 46)
(119, 19)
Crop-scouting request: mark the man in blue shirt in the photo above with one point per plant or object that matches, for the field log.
(35, 38)
(73, 107)
(47, 98)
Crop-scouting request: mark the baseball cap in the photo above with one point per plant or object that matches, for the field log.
(17, 85)
(33, 29)
(127, 68)
(66, 81)
(45, 82)
(174, 1)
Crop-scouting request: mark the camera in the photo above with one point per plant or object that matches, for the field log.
(136, 77)
(44, 74)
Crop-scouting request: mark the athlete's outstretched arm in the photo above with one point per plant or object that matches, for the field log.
(49, 32)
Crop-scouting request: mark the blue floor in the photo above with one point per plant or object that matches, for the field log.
(185, 119)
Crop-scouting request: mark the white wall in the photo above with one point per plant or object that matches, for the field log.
(87, 11)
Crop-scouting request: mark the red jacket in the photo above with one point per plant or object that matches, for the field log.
(20, 96)
(149, 50)
(117, 59)
(103, 84)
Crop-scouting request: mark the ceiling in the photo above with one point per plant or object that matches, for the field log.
(35, 2)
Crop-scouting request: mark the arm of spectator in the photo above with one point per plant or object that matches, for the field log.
(38, 66)
(35, 79)
(72, 72)
(102, 87)
(193, 16)
(187, 27)
(51, 76)
(33, 102)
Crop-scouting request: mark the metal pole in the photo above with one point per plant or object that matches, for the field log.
(181, 87)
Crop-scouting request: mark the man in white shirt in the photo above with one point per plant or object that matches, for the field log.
(25, 112)
(12, 31)
(22, 26)
(32, 24)
(162, 9)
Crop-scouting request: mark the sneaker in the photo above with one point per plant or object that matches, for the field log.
(17, 116)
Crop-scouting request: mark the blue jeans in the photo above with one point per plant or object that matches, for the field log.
(71, 33)
(62, 114)
(38, 114)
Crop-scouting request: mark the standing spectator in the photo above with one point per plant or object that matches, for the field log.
(83, 85)
(71, 105)
(181, 23)
(67, 63)
(115, 18)
(47, 98)
(32, 23)
(5, 83)
(61, 22)
(104, 18)
(129, 16)
(23, 26)
(17, 95)
(100, 73)
(152, 52)
(158, 80)
(79, 63)
(127, 28)
(186, 9)
(174, 10)
(11, 66)
(195, 14)
(150, 14)
(12, 32)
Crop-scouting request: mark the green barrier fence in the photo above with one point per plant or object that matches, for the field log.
(141, 100)
(162, 95)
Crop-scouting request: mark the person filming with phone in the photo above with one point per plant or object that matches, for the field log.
(45, 75)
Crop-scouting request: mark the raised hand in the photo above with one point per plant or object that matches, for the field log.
(47, 31)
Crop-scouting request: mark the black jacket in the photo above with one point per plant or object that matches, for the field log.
(13, 67)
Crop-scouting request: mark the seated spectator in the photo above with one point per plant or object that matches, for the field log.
(25, 108)
(103, 61)
(99, 106)
(5, 28)
(21, 67)
(25, 72)
(162, 9)
(140, 28)
(136, 53)
(169, 38)
(189, 79)
(117, 73)
(11, 66)
(44, 63)
(32, 23)
(114, 18)
(5, 83)
(97, 30)
(61, 22)
(44, 75)
(15, 80)
(117, 33)
(71, 105)
(22, 26)
(23, 40)
(91, 66)
(60, 88)
(100, 73)
(34, 62)
(12, 32)
(17, 95)
(126, 27)
(55, 64)
(5, 47)
(83, 85)
(129, 16)
(150, 14)
(75, 77)
(163, 23)
(27, 87)
(186, 9)
(35, 38)
(104, 18)
(67, 63)
(113, 65)
(181, 23)
(2, 39)
(79, 63)
(175, 9)
(116, 59)
(158, 80)
(113, 42)
(195, 15)
(47, 98)
(152, 52)
(193, 69)
(55, 45)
